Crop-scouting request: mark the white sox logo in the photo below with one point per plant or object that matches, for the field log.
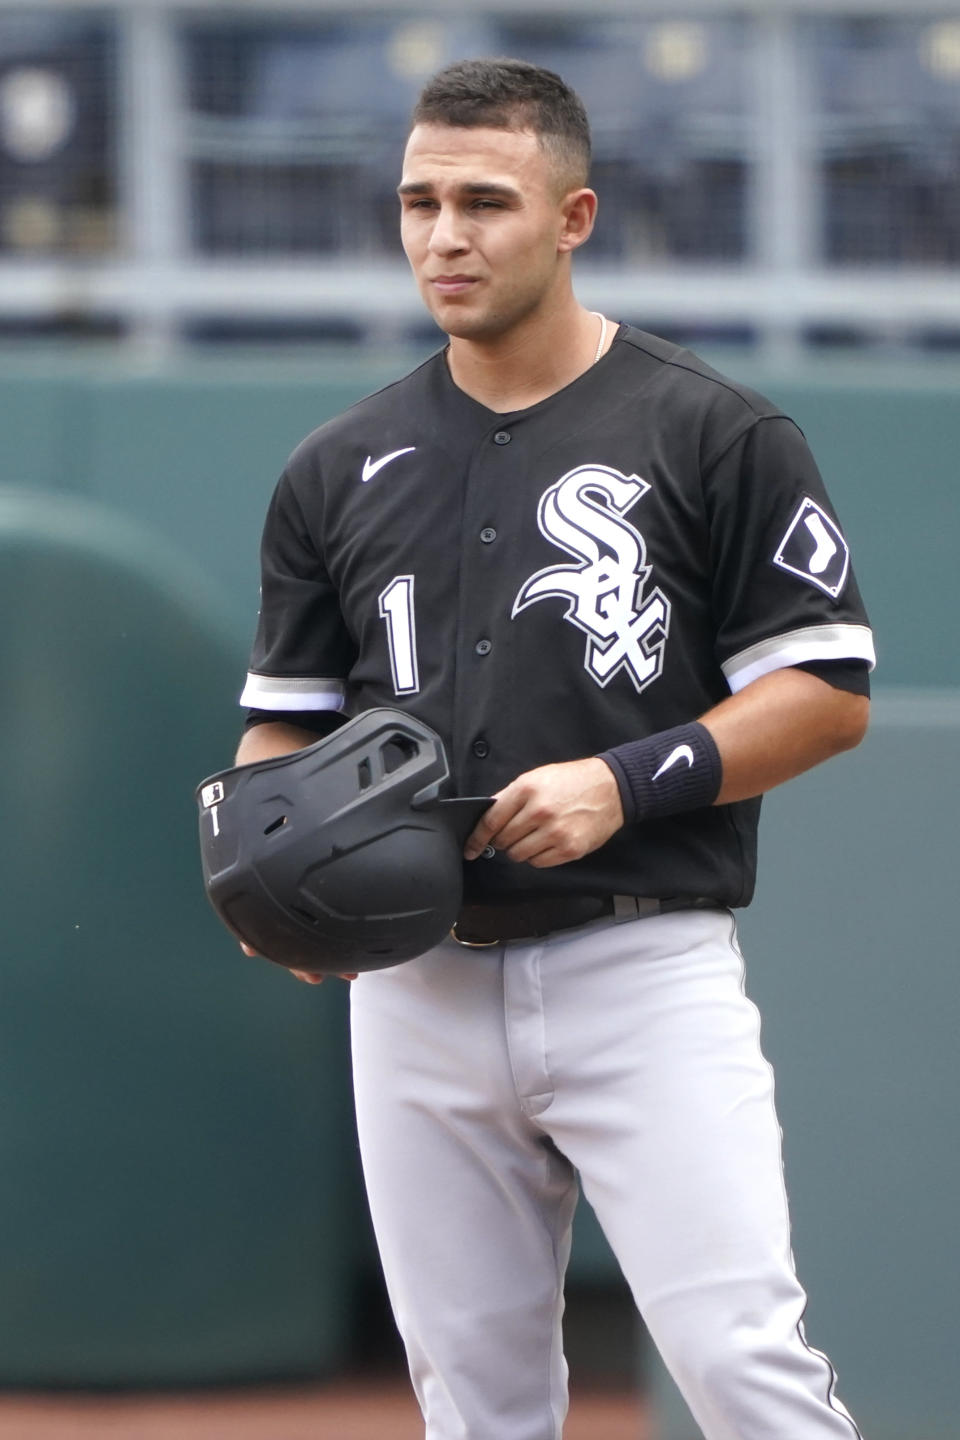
(583, 514)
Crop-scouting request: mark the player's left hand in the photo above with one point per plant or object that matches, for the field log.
(306, 976)
(551, 815)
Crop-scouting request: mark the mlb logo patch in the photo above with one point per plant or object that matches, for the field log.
(814, 549)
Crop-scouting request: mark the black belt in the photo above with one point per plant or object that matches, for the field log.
(492, 924)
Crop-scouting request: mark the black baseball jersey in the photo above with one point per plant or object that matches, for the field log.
(545, 585)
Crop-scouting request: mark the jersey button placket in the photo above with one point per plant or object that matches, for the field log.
(486, 526)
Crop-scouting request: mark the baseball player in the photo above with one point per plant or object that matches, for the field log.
(611, 580)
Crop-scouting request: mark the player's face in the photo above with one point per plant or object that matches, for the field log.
(486, 226)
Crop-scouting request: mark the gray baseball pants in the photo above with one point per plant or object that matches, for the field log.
(628, 1052)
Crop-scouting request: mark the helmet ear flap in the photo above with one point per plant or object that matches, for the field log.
(343, 856)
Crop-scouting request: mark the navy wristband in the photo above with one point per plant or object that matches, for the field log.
(667, 773)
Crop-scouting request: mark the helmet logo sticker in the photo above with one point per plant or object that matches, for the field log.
(211, 794)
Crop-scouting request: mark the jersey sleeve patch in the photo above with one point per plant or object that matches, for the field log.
(796, 647)
(280, 692)
(814, 549)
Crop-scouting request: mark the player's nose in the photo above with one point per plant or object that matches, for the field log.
(447, 234)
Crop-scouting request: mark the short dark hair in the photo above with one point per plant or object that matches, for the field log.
(511, 95)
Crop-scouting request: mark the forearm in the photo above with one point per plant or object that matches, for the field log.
(778, 727)
(772, 730)
(263, 742)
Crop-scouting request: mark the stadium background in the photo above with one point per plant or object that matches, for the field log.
(198, 264)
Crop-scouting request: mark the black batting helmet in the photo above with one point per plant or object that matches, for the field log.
(343, 856)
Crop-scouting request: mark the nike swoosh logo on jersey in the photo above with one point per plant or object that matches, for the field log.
(371, 466)
(682, 752)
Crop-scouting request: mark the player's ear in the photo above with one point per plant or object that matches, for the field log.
(578, 212)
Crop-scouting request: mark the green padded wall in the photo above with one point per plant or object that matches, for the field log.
(194, 454)
(214, 1158)
(178, 1195)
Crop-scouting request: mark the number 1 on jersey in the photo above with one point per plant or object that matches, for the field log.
(396, 607)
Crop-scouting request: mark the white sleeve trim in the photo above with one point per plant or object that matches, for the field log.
(796, 647)
(277, 692)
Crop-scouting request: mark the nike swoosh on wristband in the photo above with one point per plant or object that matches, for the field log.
(682, 752)
(371, 466)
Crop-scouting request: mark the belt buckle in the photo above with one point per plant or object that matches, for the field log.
(472, 944)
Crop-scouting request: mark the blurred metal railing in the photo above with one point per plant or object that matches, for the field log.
(779, 172)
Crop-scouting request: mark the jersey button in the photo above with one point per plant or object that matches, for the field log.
(483, 647)
(481, 749)
(488, 535)
(502, 437)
